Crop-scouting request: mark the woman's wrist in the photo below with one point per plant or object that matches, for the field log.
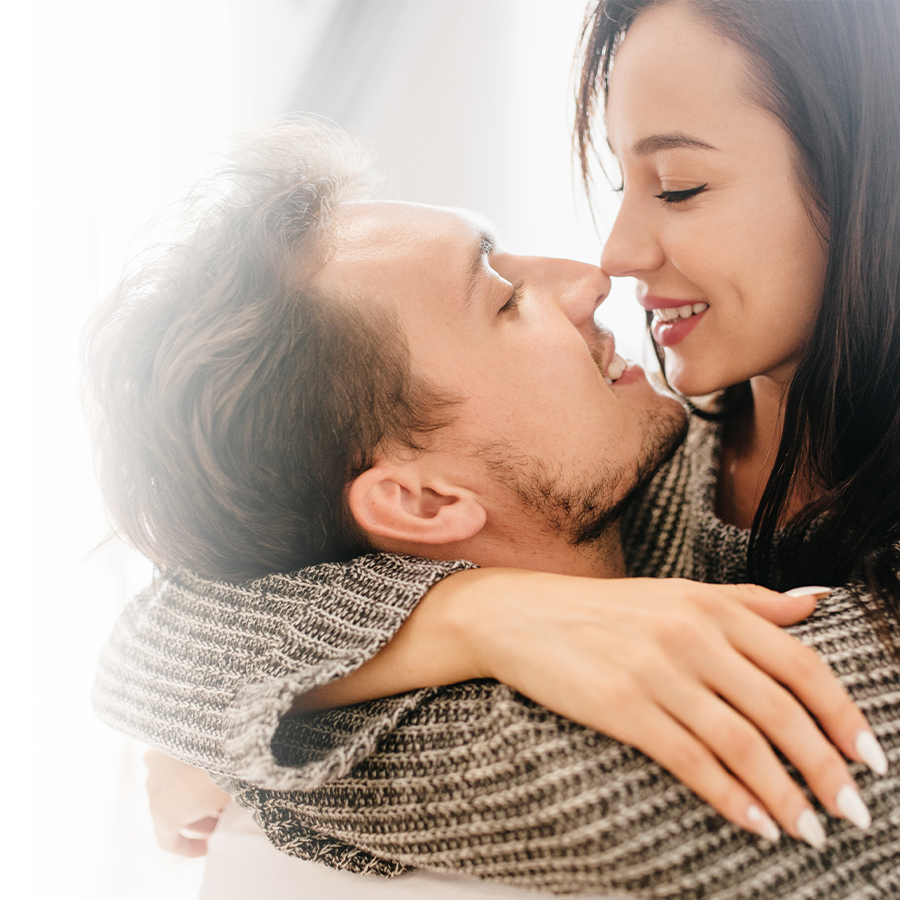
(495, 615)
(467, 617)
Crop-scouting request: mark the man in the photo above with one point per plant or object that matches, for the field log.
(308, 376)
(291, 307)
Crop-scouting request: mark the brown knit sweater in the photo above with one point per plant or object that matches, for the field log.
(473, 777)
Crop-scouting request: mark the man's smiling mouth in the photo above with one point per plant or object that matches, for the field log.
(615, 369)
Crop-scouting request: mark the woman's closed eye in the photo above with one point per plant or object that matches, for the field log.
(680, 196)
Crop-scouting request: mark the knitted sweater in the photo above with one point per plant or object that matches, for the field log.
(473, 777)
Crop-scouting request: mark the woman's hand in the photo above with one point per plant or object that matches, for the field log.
(184, 803)
(699, 677)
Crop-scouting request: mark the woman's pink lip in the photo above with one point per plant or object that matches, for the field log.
(668, 334)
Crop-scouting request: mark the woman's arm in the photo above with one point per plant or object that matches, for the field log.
(693, 675)
(205, 670)
(476, 779)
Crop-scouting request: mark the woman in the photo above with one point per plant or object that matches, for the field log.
(814, 83)
(810, 390)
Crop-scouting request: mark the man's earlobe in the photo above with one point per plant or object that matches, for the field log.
(392, 502)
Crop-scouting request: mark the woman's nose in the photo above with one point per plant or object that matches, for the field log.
(631, 248)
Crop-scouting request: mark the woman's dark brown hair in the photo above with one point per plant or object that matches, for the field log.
(231, 403)
(830, 71)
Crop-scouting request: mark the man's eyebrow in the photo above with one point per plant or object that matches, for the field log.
(675, 140)
(485, 243)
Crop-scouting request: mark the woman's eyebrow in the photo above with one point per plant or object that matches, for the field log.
(674, 140)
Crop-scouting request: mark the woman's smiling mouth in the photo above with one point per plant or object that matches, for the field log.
(673, 321)
(671, 313)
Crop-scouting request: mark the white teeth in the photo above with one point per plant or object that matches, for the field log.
(615, 369)
(680, 312)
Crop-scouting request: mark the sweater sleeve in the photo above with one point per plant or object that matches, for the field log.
(204, 670)
(477, 780)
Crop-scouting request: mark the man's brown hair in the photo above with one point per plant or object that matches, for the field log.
(230, 403)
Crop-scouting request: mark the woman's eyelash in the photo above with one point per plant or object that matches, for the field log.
(680, 196)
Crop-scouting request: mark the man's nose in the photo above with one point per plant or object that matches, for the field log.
(632, 247)
(587, 287)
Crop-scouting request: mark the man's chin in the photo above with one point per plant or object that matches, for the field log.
(664, 429)
(584, 512)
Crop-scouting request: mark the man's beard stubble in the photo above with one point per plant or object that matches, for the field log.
(584, 509)
(662, 435)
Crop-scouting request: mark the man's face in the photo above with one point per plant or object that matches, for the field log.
(549, 423)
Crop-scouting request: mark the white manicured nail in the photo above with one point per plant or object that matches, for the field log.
(852, 807)
(870, 751)
(810, 829)
(762, 824)
(806, 591)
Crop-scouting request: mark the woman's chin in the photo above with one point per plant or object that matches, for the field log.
(690, 381)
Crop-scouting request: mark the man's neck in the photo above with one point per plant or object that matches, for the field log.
(541, 552)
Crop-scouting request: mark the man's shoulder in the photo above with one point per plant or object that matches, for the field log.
(658, 525)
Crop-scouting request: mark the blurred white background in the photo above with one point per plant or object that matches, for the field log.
(110, 105)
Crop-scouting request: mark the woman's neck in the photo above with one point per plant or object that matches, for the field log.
(749, 447)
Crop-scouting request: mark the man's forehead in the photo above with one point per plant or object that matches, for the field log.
(359, 220)
(378, 244)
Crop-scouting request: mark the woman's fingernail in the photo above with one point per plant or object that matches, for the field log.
(810, 829)
(762, 824)
(806, 591)
(852, 807)
(870, 752)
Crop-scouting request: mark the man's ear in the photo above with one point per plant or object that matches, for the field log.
(399, 503)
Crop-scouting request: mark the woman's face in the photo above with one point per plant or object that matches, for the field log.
(713, 223)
